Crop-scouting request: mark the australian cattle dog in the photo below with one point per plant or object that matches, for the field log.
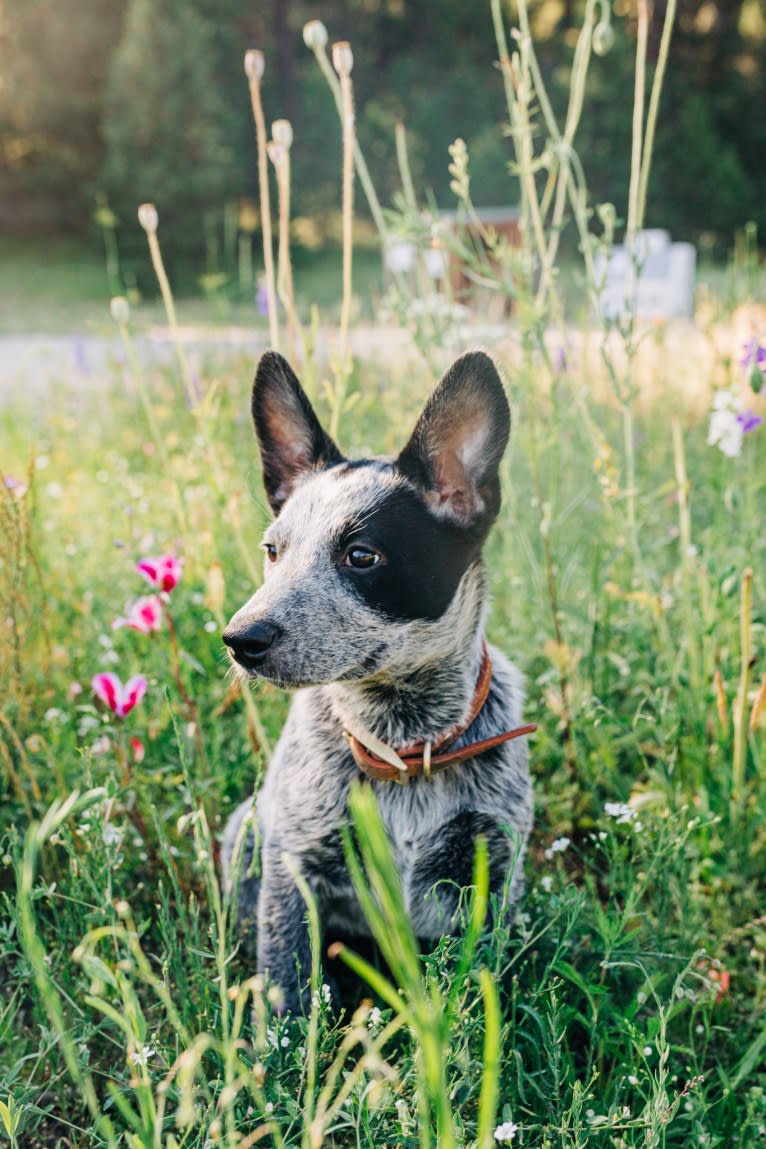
(373, 608)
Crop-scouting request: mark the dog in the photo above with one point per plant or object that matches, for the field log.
(373, 608)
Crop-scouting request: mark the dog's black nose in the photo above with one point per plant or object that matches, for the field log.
(251, 646)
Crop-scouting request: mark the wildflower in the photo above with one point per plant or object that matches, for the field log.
(748, 421)
(141, 1056)
(15, 486)
(547, 883)
(375, 1018)
(137, 746)
(120, 699)
(620, 811)
(726, 432)
(145, 615)
(506, 1132)
(262, 300)
(163, 572)
(557, 847)
(111, 835)
(632, 1079)
(754, 363)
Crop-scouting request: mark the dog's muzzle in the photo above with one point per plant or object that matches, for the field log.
(250, 645)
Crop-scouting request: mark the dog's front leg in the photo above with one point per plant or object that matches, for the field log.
(284, 949)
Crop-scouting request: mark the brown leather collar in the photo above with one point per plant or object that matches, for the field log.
(424, 758)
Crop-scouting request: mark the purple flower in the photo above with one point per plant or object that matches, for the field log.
(748, 420)
(754, 364)
(754, 355)
(262, 301)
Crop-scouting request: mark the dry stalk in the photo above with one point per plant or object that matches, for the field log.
(255, 65)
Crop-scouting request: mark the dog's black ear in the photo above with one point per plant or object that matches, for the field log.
(291, 439)
(454, 452)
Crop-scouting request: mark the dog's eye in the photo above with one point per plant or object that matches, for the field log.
(271, 551)
(361, 558)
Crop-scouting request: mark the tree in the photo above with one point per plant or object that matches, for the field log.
(53, 64)
(165, 123)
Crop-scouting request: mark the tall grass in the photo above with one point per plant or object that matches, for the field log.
(625, 1005)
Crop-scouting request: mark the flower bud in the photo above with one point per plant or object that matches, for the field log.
(342, 58)
(120, 310)
(277, 153)
(282, 133)
(603, 38)
(148, 218)
(315, 35)
(255, 64)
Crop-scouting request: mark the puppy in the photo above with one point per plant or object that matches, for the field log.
(372, 609)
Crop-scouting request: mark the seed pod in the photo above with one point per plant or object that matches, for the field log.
(255, 64)
(148, 218)
(120, 309)
(603, 38)
(315, 35)
(342, 58)
(282, 133)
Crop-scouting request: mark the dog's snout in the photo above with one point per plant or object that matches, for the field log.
(251, 644)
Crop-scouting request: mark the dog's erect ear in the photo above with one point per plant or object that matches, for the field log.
(290, 437)
(455, 450)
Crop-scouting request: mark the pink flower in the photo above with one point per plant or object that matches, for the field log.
(145, 615)
(120, 699)
(162, 572)
(137, 746)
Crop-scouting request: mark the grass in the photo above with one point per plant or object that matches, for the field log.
(56, 285)
(626, 1006)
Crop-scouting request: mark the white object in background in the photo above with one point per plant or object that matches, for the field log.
(666, 274)
(400, 256)
(436, 262)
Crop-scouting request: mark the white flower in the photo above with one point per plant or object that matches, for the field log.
(620, 811)
(726, 431)
(557, 847)
(632, 1079)
(375, 1018)
(141, 1056)
(111, 835)
(506, 1132)
(547, 883)
(648, 1051)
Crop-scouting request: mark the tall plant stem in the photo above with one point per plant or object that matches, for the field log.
(740, 704)
(343, 59)
(685, 539)
(639, 91)
(254, 68)
(359, 161)
(654, 104)
(280, 156)
(170, 310)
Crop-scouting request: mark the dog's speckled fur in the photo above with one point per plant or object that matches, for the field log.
(396, 650)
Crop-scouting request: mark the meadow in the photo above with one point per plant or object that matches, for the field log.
(625, 1005)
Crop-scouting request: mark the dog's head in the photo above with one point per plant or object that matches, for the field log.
(372, 564)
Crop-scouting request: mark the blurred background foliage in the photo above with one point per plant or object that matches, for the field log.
(113, 102)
